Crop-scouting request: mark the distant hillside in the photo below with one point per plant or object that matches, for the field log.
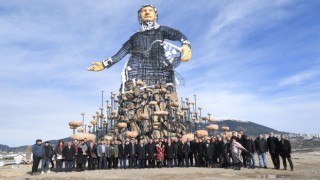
(23, 148)
(249, 128)
(4, 147)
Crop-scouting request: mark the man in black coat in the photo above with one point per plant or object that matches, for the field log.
(151, 153)
(141, 151)
(179, 157)
(68, 153)
(243, 139)
(261, 148)
(224, 153)
(175, 148)
(47, 155)
(200, 147)
(190, 154)
(217, 147)
(170, 153)
(273, 143)
(132, 154)
(123, 154)
(209, 153)
(194, 150)
(250, 146)
(285, 152)
(184, 151)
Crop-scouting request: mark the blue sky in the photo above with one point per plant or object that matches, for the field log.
(252, 60)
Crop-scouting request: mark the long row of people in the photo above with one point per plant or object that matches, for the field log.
(236, 151)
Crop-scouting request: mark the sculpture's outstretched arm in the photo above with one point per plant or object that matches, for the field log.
(98, 66)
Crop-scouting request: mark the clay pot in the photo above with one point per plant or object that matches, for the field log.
(201, 133)
(212, 127)
(174, 104)
(144, 116)
(81, 136)
(108, 138)
(139, 83)
(225, 128)
(131, 134)
(163, 90)
(189, 135)
(114, 112)
(205, 118)
(185, 108)
(75, 124)
(226, 134)
(153, 103)
(161, 113)
(126, 119)
(180, 113)
(94, 122)
(211, 120)
(122, 125)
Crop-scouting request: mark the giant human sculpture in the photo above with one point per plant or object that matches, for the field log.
(148, 89)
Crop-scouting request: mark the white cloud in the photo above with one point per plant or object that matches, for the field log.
(299, 78)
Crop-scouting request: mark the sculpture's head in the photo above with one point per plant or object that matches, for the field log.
(147, 12)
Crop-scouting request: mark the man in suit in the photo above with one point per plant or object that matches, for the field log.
(151, 152)
(184, 151)
(101, 153)
(141, 151)
(273, 143)
(132, 155)
(285, 152)
(170, 153)
(123, 153)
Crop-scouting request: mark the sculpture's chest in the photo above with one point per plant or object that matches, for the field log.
(146, 40)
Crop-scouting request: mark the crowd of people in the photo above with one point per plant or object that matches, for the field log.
(233, 152)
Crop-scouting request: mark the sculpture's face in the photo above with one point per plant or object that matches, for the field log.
(147, 14)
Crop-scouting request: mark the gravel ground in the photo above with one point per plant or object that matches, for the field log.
(306, 167)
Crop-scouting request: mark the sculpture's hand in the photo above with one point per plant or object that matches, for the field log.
(96, 66)
(186, 51)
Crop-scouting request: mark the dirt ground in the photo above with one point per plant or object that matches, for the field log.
(307, 166)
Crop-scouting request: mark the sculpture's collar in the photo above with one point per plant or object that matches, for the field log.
(148, 25)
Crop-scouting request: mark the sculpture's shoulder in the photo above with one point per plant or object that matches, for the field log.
(166, 28)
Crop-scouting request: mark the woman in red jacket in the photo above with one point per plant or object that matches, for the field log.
(160, 149)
